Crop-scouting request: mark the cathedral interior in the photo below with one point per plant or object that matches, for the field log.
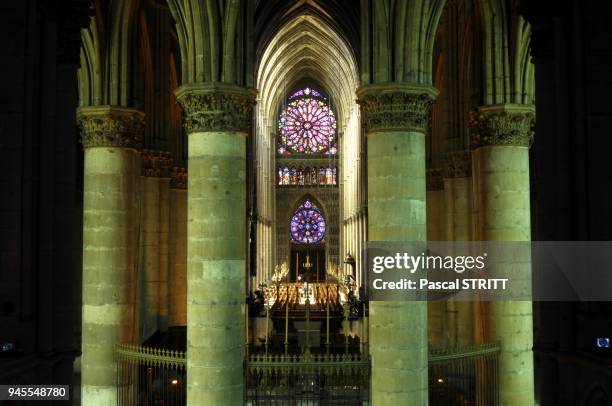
(188, 188)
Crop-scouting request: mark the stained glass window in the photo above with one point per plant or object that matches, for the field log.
(306, 176)
(305, 92)
(307, 125)
(307, 225)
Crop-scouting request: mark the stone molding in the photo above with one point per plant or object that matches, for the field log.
(504, 124)
(434, 179)
(263, 220)
(111, 126)
(356, 215)
(216, 107)
(178, 178)
(396, 106)
(156, 163)
(458, 164)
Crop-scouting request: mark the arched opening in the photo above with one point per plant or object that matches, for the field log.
(307, 140)
(307, 234)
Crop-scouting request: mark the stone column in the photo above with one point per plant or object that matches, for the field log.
(450, 308)
(436, 322)
(460, 313)
(435, 205)
(165, 162)
(217, 118)
(396, 117)
(461, 162)
(149, 289)
(501, 136)
(461, 167)
(112, 138)
(177, 279)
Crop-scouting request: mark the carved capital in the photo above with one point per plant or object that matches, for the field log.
(459, 164)
(156, 163)
(396, 106)
(216, 107)
(178, 178)
(434, 179)
(505, 124)
(109, 126)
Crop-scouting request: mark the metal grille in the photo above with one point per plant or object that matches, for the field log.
(308, 380)
(150, 376)
(466, 376)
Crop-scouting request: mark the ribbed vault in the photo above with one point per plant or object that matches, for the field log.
(307, 47)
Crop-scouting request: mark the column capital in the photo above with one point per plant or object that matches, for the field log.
(156, 163)
(434, 179)
(111, 126)
(178, 178)
(458, 164)
(216, 106)
(502, 124)
(396, 106)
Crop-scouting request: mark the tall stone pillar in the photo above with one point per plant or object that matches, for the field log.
(177, 279)
(112, 138)
(149, 273)
(461, 313)
(396, 116)
(217, 118)
(164, 242)
(501, 136)
(436, 310)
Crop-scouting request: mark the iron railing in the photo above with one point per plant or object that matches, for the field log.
(150, 376)
(466, 376)
(308, 379)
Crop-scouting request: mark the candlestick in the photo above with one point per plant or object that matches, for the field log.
(327, 326)
(287, 322)
(246, 324)
(307, 319)
(267, 326)
(346, 327)
(267, 323)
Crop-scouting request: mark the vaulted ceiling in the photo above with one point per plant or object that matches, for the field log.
(340, 15)
(307, 48)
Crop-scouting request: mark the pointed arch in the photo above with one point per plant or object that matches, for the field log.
(307, 224)
(108, 54)
(508, 74)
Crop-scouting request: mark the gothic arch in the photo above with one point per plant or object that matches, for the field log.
(297, 202)
(316, 205)
(107, 54)
(508, 74)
